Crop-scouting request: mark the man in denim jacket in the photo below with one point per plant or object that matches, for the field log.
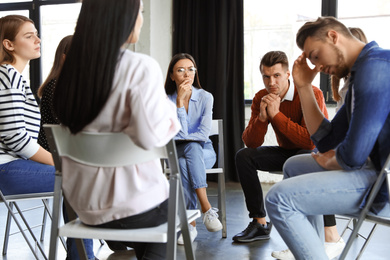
(352, 147)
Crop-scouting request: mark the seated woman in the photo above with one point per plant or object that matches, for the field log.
(104, 87)
(194, 148)
(19, 113)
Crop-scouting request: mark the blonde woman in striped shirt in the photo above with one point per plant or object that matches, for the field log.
(25, 167)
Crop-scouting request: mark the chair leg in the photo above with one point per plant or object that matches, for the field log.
(55, 218)
(367, 240)
(10, 211)
(43, 229)
(222, 202)
(7, 229)
(352, 237)
(47, 210)
(30, 231)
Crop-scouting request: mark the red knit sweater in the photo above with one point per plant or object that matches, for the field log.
(288, 124)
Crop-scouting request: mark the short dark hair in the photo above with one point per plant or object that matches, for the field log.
(170, 86)
(272, 58)
(319, 29)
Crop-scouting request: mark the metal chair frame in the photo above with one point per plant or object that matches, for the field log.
(366, 215)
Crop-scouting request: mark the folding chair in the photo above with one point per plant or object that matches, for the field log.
(10, 201)
(119, 150)
(216, 130)
(366, 215)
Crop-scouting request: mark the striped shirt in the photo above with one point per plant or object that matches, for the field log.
(19, 116)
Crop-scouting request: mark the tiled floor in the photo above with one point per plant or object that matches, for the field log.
(209, 245)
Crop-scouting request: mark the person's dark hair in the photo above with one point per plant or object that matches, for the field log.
(272, 58)
(170, 85)
(9, 28)
(334, 80)
(62, 49)
(318, 29)
(87, 75)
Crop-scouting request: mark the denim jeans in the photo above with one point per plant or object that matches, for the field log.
(26, 176)
(308, 191)
(265, 158)
(194, 159)
(151, 218)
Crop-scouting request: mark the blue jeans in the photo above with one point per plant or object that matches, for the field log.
(26, 176)
(308, 191)
(194, 159)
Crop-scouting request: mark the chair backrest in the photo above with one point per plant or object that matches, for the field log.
(217, 129)
(101, 149)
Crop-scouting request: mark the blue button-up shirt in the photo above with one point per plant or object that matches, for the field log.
(196, 124)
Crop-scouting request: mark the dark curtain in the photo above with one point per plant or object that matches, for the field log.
(212, 32)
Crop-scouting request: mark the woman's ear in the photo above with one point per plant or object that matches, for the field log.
(8, 45)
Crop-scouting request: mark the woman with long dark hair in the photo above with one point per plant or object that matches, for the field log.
(194, 148)
(104, 87)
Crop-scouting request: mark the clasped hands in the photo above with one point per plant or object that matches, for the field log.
(269, 107)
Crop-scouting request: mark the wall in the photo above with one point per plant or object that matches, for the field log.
(156, 34)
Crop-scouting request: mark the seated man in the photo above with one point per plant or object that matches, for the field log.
(279, 105)
(352, 147)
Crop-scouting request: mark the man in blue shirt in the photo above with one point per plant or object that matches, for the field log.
(352, 147)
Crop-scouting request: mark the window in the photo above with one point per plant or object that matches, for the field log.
(57, 22)
(372, 18)
(272, 25)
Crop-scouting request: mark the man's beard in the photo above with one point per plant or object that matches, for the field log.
(341, 70)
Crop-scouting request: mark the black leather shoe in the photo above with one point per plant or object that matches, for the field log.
(253, 232)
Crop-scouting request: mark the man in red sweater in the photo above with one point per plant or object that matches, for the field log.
(279, 105)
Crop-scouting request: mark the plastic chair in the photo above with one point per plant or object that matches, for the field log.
(118, 150)
(10, 201)
(366, 215)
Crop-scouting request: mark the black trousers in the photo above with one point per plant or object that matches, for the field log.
(151, 218)
(263, 158)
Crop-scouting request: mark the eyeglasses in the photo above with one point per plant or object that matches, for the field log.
(191, 71)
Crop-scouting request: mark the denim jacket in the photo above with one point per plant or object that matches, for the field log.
(361, 128)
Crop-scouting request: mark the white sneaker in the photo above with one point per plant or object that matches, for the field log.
(332, 250)
(283, 255)
(211, 221)
(193, 234)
